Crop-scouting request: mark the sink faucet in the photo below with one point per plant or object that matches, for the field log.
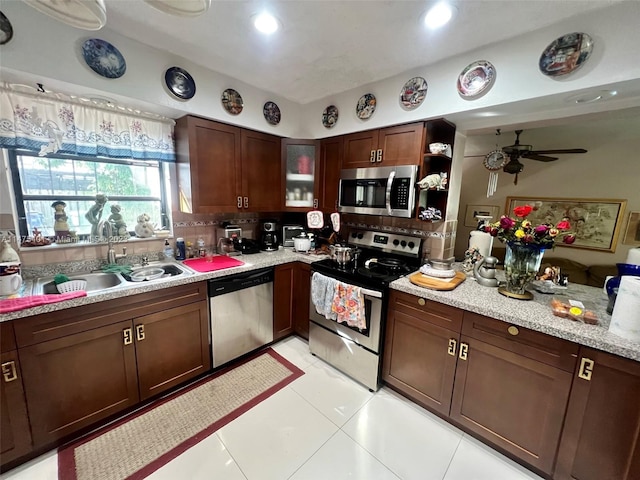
(104, 227)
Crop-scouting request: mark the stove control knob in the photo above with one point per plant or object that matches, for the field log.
(353, 235)
(360, 235)
(403, 244)
(396, 242)
(411, 245)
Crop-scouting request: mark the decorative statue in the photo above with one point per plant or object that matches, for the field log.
(94, 214)
(119, 226)
(60, 226)
(144, 229)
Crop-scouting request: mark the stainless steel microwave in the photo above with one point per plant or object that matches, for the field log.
(378, 191)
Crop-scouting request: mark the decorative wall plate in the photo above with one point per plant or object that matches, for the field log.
(330, 116)
(476, 78)
(271, 113)
(413, 93)
(232, 101)
(6, 30)
(180, 83)
(566, 54)
(366, 106)
(103, 58)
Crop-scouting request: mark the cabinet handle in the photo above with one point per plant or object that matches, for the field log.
(239, 200)
(586, 368)
(452, 347)
(315, 203)
(422, 302)
(140, 332)
(464, 350)
(379, 155)
(513, 330)
(9, 371)
(127, 335)
(372, 159)
(246, 202)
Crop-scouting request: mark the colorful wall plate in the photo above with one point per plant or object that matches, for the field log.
(476, 79)
(103, 58)
(413, 93)
(180, 83)
(232, 101)
(366, 106)
(566, 54)
(330, 116)
(271, 113)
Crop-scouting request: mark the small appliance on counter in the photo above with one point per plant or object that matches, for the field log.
(289, 232)
(246, 246)
(269, 239)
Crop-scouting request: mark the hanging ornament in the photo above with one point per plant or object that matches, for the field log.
(493, 162)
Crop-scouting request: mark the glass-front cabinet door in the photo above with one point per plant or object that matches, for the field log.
(299, 165)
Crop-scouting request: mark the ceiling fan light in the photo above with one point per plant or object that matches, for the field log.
(181, 8)
(84, 14)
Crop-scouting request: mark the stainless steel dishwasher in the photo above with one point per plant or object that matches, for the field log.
(241, 309)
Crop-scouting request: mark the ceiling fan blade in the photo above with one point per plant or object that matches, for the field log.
(540, 158)
(566, 150)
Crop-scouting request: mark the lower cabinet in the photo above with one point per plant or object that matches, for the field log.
(302, 291)
(15, 435)
(291, 300)
(601, 437)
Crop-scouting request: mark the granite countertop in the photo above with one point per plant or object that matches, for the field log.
(535, 314)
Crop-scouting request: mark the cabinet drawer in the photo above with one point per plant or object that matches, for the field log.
(427, 310)
(528, 343)
(49, 326)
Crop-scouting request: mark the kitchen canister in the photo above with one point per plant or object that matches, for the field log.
(625, 319)
(10, 279)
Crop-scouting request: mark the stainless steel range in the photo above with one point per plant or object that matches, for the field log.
(357, 350)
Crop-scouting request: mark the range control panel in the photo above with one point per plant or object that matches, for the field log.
(387, 242)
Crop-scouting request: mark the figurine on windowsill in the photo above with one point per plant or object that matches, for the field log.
(144, 228)
(38, 240)
(94, 214)
(119, 226)
(60, 225)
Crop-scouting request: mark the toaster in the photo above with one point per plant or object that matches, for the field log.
(290, 231)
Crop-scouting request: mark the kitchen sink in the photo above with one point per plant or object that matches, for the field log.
(170, 270)
(96, 281)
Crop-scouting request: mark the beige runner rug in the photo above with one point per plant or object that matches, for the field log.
(144, 441)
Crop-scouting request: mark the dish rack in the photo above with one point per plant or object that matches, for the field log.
(72, 286)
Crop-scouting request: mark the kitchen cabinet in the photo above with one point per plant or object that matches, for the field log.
(292, 288)
(299, 170)
(601, 436)
(302, 293)
(421, 349)
(398, 145)
(329, 174)
(222, 168)
(15, 433)
(85, 364)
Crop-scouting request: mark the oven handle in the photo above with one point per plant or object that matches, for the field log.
(387, 195)
(371, 293)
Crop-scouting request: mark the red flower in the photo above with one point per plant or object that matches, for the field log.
(569, 239)
(523, 211)
(563, 225)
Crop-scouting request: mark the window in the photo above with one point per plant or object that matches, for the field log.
(137, 186)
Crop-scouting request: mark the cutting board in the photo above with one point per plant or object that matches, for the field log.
(218, 262)
(436, 283)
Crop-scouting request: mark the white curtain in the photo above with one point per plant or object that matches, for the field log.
(48, 123)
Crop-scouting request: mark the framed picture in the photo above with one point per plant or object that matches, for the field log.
(632, 233)
(595, 222)
(471, 215)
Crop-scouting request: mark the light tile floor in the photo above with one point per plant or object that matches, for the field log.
(324, 426)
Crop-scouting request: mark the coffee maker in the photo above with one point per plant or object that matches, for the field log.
(269, 238)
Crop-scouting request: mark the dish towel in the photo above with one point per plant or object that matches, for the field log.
(348, 305)
(322, 293)
(15, 304)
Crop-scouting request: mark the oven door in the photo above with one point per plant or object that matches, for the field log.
(369, 338)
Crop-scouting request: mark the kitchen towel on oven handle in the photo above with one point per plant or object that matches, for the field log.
(348, 304)
(323, 290)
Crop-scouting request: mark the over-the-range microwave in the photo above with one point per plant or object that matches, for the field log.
(378, 191)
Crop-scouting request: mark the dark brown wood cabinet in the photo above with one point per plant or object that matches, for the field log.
(302, 292)
(328, 180)
(222, 168)
(421, 349)
(601, 437)
(398, 145)
(85, 364)
(15, 433)
(283, 298)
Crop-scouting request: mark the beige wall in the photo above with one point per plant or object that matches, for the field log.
(610, 169)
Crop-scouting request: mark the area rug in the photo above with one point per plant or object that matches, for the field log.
(139, 444)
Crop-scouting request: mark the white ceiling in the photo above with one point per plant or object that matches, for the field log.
(330, 46)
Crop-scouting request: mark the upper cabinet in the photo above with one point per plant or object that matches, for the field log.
(299, 165)
(399, 145)
(329, 173)
(222, 168)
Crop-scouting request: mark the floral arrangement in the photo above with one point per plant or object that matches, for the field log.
(522, 231)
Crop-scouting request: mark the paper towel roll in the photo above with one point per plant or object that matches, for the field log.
(482, 241)
(625, 319)
(633, 257)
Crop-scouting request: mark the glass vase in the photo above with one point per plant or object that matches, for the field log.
(521, 264)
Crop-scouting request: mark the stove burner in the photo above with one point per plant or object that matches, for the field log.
(391, 264)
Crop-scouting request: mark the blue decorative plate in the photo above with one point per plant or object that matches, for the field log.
(413, 93)
(271, 113)
(180, 83)
(330, 116)
(366, 106)
(103, 58)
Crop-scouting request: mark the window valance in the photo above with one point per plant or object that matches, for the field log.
(48, 123)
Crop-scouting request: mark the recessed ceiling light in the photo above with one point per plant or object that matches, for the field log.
(591, 97)
(265, 23)
(438, 15)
